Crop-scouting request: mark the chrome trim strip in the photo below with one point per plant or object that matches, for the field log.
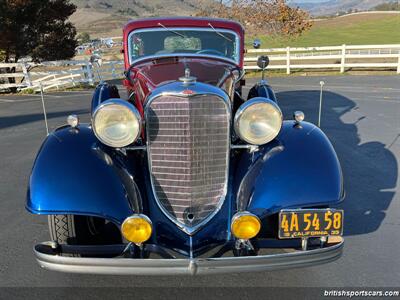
(182, 180)
(135, 148)
(250, 147)
(191, 266)
(183, 168)
(199, 89)
(237, 44)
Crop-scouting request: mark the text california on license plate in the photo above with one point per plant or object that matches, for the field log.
(298, 223)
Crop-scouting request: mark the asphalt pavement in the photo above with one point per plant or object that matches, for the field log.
(361, 116)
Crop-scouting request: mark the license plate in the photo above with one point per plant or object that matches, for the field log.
(298, 223)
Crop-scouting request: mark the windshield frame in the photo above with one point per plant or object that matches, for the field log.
(236, 41)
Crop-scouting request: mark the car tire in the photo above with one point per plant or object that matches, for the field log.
(62, 229)
(82, 230)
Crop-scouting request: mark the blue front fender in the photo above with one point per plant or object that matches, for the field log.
(74, 174)
(298, 169)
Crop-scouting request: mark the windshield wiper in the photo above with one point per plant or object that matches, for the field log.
(170, 30)
(219, 33)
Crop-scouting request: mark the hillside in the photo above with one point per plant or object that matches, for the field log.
(98, 24)
(142, 8)
(356, 29)
(361, 28)
(105, 18)
(331, 7)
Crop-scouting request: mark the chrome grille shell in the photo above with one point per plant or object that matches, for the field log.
(184, 190)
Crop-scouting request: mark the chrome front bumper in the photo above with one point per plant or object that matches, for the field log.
(136, 266)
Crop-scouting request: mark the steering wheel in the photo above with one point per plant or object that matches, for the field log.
(210, 51)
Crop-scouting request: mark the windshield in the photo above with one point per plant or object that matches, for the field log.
(181, 41)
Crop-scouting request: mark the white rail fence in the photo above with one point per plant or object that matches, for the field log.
(329, 57)
(62, 74)
(58, 75)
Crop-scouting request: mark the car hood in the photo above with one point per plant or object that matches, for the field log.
(215, 71)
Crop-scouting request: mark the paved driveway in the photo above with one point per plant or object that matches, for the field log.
(361, 116)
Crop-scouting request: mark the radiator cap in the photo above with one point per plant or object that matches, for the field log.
(187, 79)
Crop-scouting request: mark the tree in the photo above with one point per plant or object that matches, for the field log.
(269, 16)
(37, 28)
(83, 38)
(387, 6)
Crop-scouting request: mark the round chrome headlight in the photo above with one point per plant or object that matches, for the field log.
(116, 123)
(258, 121)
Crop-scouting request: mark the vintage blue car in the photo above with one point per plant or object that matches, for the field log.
(186, 176)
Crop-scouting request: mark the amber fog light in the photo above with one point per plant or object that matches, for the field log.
(137, 228)
(245, 225)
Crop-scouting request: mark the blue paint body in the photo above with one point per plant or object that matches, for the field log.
(262, 89)
(101, 94)
(75, 174)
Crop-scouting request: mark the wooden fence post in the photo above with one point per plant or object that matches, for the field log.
(54, 78)
(113, 70)
(72, 79)
(343, 60)
(89, 73)
(26, 75)
(288, 60)
(398, 64)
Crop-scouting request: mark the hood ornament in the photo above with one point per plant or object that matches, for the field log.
(187, 79)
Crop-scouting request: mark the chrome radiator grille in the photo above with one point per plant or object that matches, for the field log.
(188, 147)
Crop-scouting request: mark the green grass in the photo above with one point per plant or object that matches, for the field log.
(385, 30)
(27, 92)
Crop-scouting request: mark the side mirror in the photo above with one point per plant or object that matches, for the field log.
(256, 44)
(263, 61)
